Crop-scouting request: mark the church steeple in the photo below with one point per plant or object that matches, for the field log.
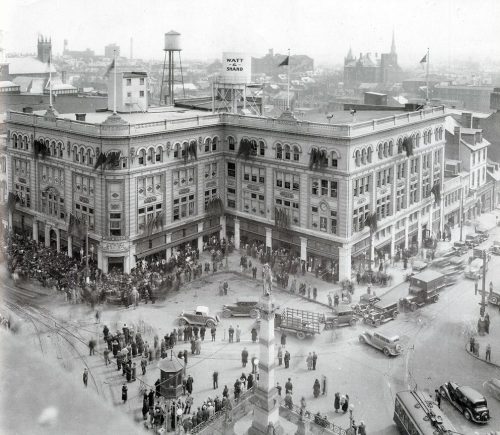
(393, 44)
(349, 55)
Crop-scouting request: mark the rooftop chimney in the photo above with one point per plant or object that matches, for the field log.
(456, 136)
(475, 123)
(466, 120)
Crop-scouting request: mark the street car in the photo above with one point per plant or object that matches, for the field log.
(340, 317)
(388, 345)
(468, 401)
(242, 308)
(200, 316)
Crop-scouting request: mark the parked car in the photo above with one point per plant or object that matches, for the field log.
(460, 248)
(366, 301)
(495, 248)
(418, 266)
(340, 317)
(200, 316)
(468, 401)
(472, 240)
(482, 233)
(388, 345)
(242, 308)
(475, 269)
(381, 313)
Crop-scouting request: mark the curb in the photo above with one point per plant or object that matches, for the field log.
(479, 358)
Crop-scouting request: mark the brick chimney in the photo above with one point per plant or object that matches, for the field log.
(475, 123)
(466, 120)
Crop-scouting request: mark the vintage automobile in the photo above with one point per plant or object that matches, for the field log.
(494, 298)
(495, 248)
(381, 313)
(439, 263)
(482, 233)
(366, 301)
(242, 308)
(340, 317)
(388, 345)
(472, 240)
(200, 316)
(468, 401)
(418, 266)
(303, 323)
(474, 270)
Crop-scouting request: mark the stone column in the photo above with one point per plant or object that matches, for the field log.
(126, 264)
(70, 246)
(393, 242)
(345, 262)
(47, 235)
(200, 238)
(101, 260)
(407, 230)
(131, 256)
(35, 230)
(269, 238)
(223, 233)
(303, 248)
(266, 405)
(236, 233)
(419, 229)
(58, 239)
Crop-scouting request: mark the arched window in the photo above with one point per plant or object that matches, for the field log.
(53, 150)
(231, 142)
(440, 133)
(253, 143)
(208, 142)
(83, 157)
(279, 151)
(335, 159)
(159, 154)
(76, 154)
(14, 140)
(262, 148)
(215, 141)
(177, 149)
(90, 160)
(391, 148)
(400, 145)
(369, 153)
(357, 157)
(287, 152)
(60, 150)
(142, 157)
(184, 149)
(363, 156)
(386, 149)
(380, 150)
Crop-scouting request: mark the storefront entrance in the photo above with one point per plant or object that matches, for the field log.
(115, 264)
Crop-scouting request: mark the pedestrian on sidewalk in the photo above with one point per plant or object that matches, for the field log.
(254, 335)
(215, 378)
(278, 387)
(85, 377)
(238, 333)
(323, 385)
(314, 360)
(92, 344)
(124, 393)
(231, 333)
(336, 300)
(280, 356)
(315, 293)
(471, 344)
(330, 300)
(244, 357)
(288, 386)
(437, 398)
(283, 339)
(144, 363)
(488, 352)
(213, 330)
(287, 359)
(336, 402)
(97, 316)
(487, 323)
(309, 361)
(106, 356)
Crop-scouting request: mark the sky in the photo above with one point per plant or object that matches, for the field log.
(322, 29)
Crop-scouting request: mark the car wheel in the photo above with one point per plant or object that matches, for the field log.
(254, 314)
(226, 314)
(493, 300)
(395, 315)
(386, 351)
(362, 339)
(435, 298)
(301, 335)
(352, 322)
(182, 322)
(210, 324)
(467, 415)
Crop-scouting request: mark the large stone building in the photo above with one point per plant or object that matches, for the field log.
(154, 195)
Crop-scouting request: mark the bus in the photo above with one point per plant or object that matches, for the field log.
(416, 413)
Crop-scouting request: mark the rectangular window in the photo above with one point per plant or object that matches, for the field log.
(231, 169)
(129, 82)
(333, 189)
(333, 222)
(324, 187)
(141, 81)
(141, 93)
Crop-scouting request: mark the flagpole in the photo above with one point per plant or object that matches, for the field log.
(87, 247)
(288, 84)
(427, 80)
(50, 78)
(114, 83)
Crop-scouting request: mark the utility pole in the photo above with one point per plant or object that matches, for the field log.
(461, 214)
(482, 310)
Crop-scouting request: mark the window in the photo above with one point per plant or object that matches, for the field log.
(141, 81)
(129, 82)
(262, 148)
(254, 203)
(253, 174)
(279, 151)
(209, 194)
(141, 93)
(210, 170)
(183, 207)
(296, 154)
(129, 94)
(333, 222)
(287, 152)
(290, 208)
(357, 158)
(53, 204)
(215, 140)
(287, 180)
(361, 185)
(231, 143)
(149, 218)
(115, 224)
(231, 197)
(86, 214)
(400, 198)
(335, 161)
(383, 207)
(401, 170)
(333, 189)
(231, 169)
(359, 217)
(158, 154)
(207, 144)
(141, 159)
(183, 177)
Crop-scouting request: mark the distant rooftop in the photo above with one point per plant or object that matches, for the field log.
(28, 65)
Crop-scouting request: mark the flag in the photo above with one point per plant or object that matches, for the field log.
(285, 62)
(101, 160)
(110, 67)
(76, 226)
(424, 59)
(13, 198)
(113, 159)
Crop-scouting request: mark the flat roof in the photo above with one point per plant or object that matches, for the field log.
(345, 117)
(154, 114)
(427, 275)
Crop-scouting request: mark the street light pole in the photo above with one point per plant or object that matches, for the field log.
(482, 310)
(461, 214)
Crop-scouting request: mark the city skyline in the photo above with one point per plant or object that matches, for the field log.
(212, 28)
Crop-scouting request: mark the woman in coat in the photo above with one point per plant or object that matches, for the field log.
(309, 361)
(316, 388)
(336, 402)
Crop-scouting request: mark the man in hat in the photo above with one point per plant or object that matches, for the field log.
(85, 376)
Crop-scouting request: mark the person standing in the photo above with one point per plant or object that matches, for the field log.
(345, 403)
(471, 344)
(323, 385)
(202, 333)
(85, 377)
(336, 402)
(316, 388)
(315, 293)
(361, 428)
(238, 333)
(283, 339)
(144, 363)
(231, 333)
(215, 378)
(488, 352)
(106, 356)
(244, 357)
(124, 393)
(309, 361)
(288, 386)
(280, 356)
(314, 360)
(92, 346)
(254, 335)
(213, 330)
(189, 384)
(437, 398)
(278, 387)
(287, 359)
(198, 346)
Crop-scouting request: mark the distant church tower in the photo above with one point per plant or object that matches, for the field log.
(44, 48)
(393, 45)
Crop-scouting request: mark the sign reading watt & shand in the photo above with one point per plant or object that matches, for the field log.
(236, 67)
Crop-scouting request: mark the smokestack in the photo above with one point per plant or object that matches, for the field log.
(131, 48)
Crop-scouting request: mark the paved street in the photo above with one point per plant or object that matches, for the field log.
(433, 337)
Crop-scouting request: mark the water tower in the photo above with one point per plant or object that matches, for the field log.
(172, 46)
